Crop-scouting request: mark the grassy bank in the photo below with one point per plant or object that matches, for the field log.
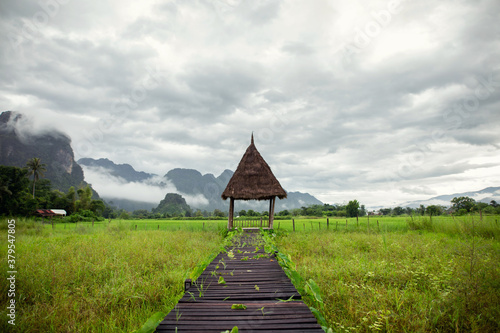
(107, 279)
(402, 274)
(411, 281)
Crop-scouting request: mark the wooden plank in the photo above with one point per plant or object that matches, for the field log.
(258, 283)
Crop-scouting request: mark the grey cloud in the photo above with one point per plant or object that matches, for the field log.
(258, 12)
(418, 190)
(227, 68)
(297, 48)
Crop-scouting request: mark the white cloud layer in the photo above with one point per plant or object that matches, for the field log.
(109, 186)
(152, 190)
(382, 101)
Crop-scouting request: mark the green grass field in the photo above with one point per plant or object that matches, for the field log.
(442, 277)
(101, 279)
(404, 274)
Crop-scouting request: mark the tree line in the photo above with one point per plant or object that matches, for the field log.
(22, 192)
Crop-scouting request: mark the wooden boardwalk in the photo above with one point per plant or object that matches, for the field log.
(252, 278)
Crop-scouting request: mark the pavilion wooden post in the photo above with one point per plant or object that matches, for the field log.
(271, 212)
(231, 214)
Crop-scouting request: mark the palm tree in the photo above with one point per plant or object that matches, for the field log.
(36, 168)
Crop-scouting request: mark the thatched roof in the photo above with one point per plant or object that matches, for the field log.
(253, 179)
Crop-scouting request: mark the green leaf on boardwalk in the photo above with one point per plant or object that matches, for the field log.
(151, 323)
(238, 307)
(221, 280)
(234, 330)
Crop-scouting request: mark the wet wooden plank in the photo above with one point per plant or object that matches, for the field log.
(273, 303)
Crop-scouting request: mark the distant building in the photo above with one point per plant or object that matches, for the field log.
(50, 212)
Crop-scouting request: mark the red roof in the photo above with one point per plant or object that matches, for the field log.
(50, 212)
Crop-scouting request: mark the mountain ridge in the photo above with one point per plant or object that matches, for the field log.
(484, 195)
(125, 171)
(191, 182)
(18, 145)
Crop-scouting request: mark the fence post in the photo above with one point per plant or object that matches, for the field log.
(261, 221)
(337, 225)
(92, 222)
(357, 221)
(346, 223)
(327, 223)
(136, 227)
(293, 222)
(319, 225)
(159, 226)
(378, 228)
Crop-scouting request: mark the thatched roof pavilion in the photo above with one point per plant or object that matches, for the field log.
(253, 180)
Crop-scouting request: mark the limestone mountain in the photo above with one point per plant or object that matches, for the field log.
(192, 182)
(201, 191)
(125, 171)
(18, 144)
(173, 204)
(485, 195)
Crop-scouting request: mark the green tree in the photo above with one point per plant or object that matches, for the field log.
(434, 210)
(398, 211)
(44, 193)
(97, 207)
(35, 168)
(284, 213)
(251, 212)
(4, 189)
(85, 198)
(140, 213)
(352, 208)
(15, 195)
(385, 211)
(218, 213)
(463, 203)
(362, 210)
(71, 199)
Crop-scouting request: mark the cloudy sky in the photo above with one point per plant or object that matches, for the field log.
(380, 101)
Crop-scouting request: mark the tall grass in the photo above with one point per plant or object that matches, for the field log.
(108, 279)
(165, 225)
(403, 282)
(404, 274)
(487, 227)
